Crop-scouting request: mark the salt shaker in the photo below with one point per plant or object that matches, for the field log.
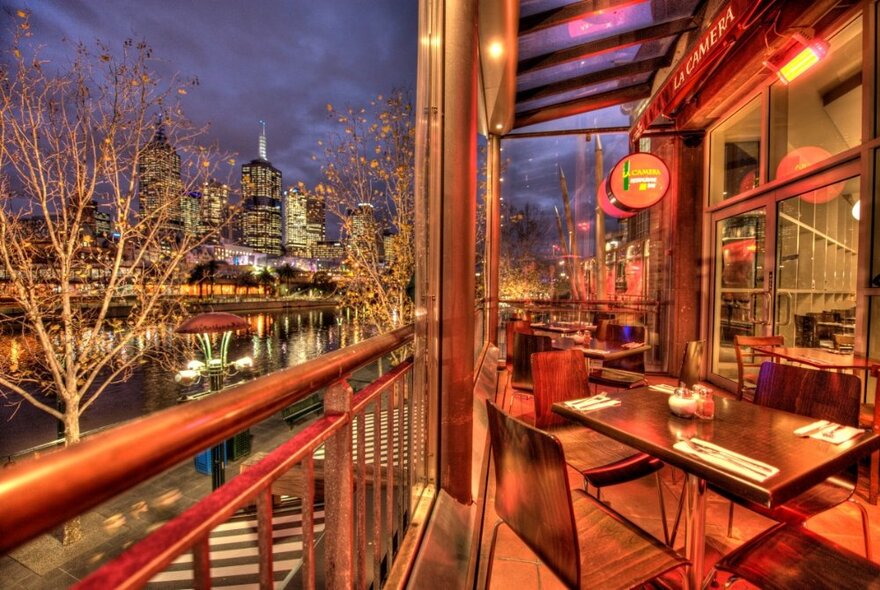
(705, 402)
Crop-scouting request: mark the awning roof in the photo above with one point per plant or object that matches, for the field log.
(577, 57)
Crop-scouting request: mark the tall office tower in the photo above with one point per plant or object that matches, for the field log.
(296, 238)
(261, 199)
(315, 221)
(213, 215)
(189, 212)
(364, 231)
(160, 190)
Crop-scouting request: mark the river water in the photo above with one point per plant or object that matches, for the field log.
(274, 340)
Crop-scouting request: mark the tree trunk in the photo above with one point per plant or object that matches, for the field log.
(73, 527)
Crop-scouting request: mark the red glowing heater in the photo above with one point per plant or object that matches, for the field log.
(812, 53)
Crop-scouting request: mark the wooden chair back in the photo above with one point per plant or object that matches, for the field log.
(510, 328)
(623, 334)
(524, 345)
(748, 361)
(824, 395)
(532, 493)
(558, 376)
(602, 328)
(844, 341)
(689, 374)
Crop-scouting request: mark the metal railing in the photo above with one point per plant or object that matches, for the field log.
(361, 531)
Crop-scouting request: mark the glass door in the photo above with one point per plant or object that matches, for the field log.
(742, 298)
(816, 266)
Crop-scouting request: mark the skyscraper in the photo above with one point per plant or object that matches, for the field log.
(160, 189)
(296, 238)
(213, 214)
(363, 230)
(261, 198)
(315, 220)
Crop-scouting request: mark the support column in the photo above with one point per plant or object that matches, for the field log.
(493, 237)
(457, 248)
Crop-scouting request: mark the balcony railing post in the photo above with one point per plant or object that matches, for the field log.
(339, 506)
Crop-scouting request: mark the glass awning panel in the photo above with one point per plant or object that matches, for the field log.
(594, 63)
(572, 51)
(614, 116)
(601, 25)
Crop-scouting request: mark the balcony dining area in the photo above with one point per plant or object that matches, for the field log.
(682, 398)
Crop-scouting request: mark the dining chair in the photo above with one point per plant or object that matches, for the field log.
(524, 345)
(748, 362)
(626, 372)
(869, 417)
(559, 376)
(513, 326)
(585, 543)
(823, 395)
(792, 556)
(844, 342)
(689, 374)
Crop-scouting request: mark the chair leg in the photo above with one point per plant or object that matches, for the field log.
(662, 509)
(730, 521)
(874, 478)
(866, 531)
(678, 513)
(491, 560)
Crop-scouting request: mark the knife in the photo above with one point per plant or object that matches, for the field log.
(747, 462)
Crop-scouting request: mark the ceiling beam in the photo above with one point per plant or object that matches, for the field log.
(623, 71)
(568, 13)
(611, 43)
(582, 105)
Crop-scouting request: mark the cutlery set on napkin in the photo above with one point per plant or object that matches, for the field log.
(662, 387)
(828, 431)
(596, 402)
(726, 459)
(631, 345)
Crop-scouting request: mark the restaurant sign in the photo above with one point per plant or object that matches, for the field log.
(637, 181)
(723, 31)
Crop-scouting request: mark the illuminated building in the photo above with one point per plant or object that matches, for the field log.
(213, 211)
(261, 199)
(315, 221)
(296, 236)
(160, 189)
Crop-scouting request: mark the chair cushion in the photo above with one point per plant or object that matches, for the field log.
(791, 556)
(824, 496)
(617, 378)
(621, 555)
(601, 460)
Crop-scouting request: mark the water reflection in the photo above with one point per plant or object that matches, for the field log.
(274, 340)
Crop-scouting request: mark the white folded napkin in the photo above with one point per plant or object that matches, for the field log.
(588, 404)
(835, 435)
(663, 388)
(727, 459)
(811, 428)
(595, 351)
(630, 345)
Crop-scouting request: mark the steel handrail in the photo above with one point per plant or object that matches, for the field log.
(42, 493)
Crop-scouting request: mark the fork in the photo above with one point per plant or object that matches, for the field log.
(745, 464)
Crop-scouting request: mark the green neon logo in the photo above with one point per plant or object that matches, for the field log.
(626, 175)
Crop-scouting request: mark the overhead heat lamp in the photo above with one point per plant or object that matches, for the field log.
(813, 50)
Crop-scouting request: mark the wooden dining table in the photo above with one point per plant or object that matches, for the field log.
(819, 358)
(644, 422)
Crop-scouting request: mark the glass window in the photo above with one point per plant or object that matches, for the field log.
(734, 153)
(818, 114)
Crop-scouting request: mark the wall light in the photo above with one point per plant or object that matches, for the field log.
(857, 210)
(812, 53)
(496, 49)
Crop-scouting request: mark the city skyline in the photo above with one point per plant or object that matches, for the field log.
(270, 62)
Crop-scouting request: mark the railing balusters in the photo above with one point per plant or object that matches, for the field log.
(202, 564)
(264, 537)
(389, 478)
(377, 495)
(338, 476)
(361, 499)
(308, 523)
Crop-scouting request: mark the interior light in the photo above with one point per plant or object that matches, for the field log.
(496, 49)
(857, 210)
(812, 53)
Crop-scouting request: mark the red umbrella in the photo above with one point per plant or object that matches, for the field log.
(211, 323)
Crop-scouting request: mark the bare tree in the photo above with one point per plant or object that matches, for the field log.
(368, 168)
(524, 270)
(72, 139)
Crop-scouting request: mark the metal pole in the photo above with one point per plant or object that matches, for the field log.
(493, 237)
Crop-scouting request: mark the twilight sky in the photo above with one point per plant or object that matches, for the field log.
(277, 60)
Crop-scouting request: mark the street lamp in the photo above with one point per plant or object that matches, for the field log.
(214, 367)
